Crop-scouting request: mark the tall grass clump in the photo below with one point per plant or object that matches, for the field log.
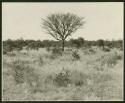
(19, 71)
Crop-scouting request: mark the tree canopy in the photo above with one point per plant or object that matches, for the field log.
(60, 26)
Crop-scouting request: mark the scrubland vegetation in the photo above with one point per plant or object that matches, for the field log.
(78, 73)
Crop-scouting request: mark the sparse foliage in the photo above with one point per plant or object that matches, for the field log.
(60, 26)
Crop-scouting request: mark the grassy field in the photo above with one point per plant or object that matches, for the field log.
(84, 74)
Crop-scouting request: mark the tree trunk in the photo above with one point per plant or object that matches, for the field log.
(63, 44)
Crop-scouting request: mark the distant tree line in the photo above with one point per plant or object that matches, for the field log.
(19, 44)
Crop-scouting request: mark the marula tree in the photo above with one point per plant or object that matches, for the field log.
(60, 25)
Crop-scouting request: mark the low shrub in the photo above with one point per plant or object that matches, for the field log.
(67, 77)
(62, 78)
(91, 51)
(118, 56)
(75, 55)
(4, 51)
(106, 49)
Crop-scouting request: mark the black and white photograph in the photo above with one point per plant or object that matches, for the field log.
(62, 51)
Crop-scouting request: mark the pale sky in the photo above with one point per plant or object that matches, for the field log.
(103, 20)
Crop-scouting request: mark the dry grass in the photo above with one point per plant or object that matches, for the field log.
(40, 75)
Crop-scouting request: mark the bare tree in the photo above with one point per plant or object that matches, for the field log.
(60, 26)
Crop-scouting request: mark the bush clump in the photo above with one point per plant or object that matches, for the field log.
(68, 78)
(62, 78)
(91, 51)
(106, 49)
(4, 51)
(118, 56)
(75, 55)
